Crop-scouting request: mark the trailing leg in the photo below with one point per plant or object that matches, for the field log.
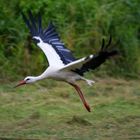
(81, 96)
(89, 82)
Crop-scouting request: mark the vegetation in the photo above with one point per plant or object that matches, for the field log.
(81, 24)
(42, 111)
(57, 113)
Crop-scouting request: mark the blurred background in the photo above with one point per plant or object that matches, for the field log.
(52, 110)
(81, 24)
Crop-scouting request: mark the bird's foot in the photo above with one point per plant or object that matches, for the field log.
(87, 107)
(90, 82)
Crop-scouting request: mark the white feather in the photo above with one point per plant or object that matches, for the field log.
(52, 56)
(76, 64)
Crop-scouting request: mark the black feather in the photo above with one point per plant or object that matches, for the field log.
(27, 22)
(103, 44)
(32, 19)
(98, 59)
(39, 24)
(49, 36)
(109, 42)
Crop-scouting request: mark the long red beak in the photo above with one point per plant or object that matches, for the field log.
(22, 82)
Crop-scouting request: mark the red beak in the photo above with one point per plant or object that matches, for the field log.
(22, 82)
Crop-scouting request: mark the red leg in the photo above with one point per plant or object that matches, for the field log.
(81, 96)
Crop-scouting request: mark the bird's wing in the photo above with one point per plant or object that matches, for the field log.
(49, 41)
(77, 65)
(93, 61)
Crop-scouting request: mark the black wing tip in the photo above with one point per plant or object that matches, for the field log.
(35, 24)
(103, 43)
(26, 20)
(109, 47)
(107, 50)
(113, 53)
(29, 13)
(109, 42)
(32, 23)
(105, 47)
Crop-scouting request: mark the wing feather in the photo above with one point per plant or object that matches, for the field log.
(93, 61)
(49, 37)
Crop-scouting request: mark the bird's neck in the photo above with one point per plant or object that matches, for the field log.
(42, 76)
(37, 78)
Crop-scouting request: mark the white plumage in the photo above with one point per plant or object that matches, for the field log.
(52, 56)
(63, 66)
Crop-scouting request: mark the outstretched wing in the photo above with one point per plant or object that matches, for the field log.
(93, 61)
(99, 58)
(48, 40)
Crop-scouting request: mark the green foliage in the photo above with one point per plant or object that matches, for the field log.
(37, 112)
(81, 23)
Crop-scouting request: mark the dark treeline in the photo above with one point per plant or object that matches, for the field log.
(82, 25)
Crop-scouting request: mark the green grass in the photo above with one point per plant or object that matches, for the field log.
(53, 110)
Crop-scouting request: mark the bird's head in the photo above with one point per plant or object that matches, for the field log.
(36, 39)
(27, 80)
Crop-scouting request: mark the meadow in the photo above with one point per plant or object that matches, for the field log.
(53, 110)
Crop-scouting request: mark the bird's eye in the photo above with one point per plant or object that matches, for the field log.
(27, 79)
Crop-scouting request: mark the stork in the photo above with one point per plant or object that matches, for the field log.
(63, 66)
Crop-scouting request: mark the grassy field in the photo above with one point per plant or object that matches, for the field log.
(52, 110)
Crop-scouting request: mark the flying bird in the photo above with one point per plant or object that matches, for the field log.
(63, 66)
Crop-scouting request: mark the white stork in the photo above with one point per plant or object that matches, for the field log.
(63, 66)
